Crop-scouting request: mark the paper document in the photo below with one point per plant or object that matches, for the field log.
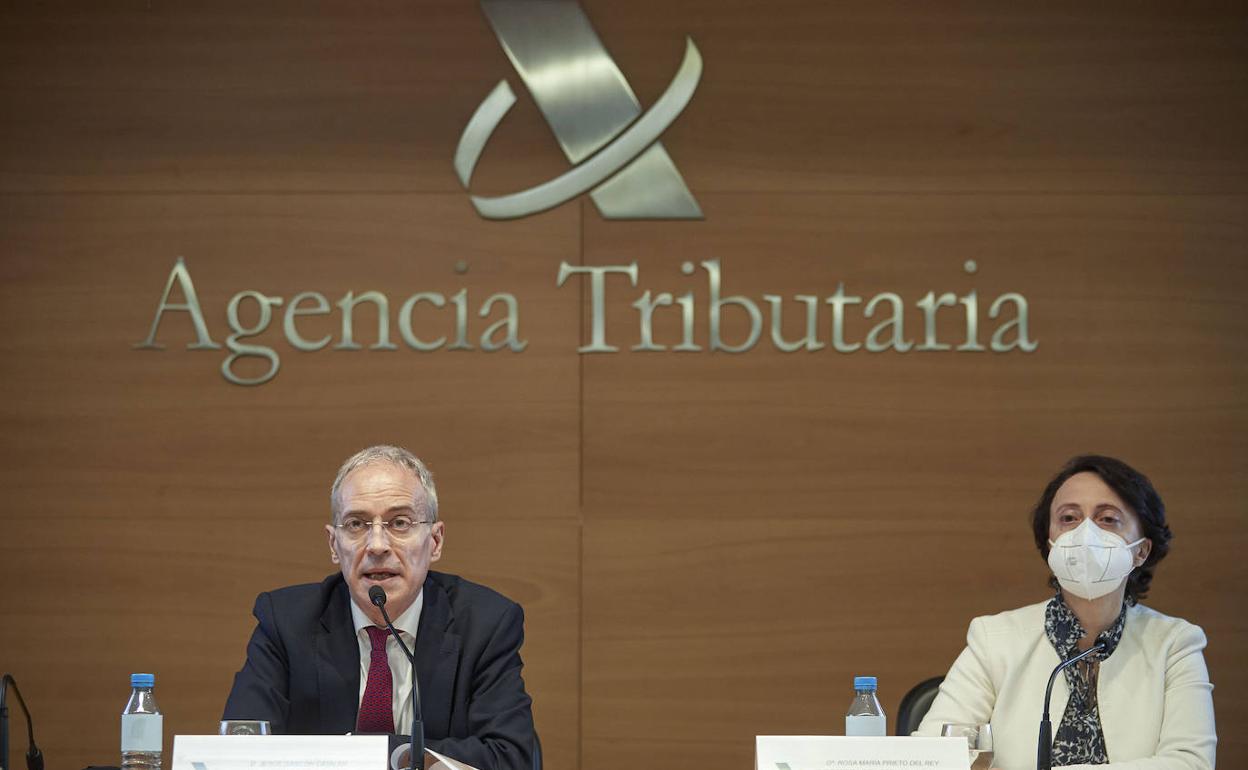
(447, 762)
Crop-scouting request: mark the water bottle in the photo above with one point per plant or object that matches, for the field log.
(142, 726)
(865, 717)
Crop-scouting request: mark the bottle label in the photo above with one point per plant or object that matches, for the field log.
(866, 726)
(141, 732)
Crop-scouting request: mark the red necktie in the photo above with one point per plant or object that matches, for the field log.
(376, 709)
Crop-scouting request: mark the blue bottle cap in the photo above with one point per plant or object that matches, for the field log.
(142, 680)
(864, 683)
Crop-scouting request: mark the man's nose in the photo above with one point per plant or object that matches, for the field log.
(378, 539)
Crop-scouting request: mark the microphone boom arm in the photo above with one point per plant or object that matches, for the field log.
(377, 596)
(1044, 751)
(34, 757)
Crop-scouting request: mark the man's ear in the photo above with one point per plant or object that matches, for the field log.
(438, 532)
(333, 544)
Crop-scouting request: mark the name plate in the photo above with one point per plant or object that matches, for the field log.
(280, 752)
(827, 752)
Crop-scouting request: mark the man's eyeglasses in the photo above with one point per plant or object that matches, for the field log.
(400, 527)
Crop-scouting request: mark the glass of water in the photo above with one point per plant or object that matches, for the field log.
(244, 727)
(978, 742)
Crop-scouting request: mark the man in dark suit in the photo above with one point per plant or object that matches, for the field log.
(320, 662)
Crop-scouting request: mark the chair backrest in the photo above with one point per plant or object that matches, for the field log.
(915, 704)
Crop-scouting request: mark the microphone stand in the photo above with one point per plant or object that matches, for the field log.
(378, 598)
(4, 723)
(34, 757)
(1044, 751)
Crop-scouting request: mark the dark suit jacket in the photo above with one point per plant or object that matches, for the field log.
(302, 672)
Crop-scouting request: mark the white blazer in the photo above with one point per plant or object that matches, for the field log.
(1154, 695)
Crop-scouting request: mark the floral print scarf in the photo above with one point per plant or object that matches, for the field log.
(1079, 739)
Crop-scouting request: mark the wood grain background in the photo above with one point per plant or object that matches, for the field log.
(708, 546)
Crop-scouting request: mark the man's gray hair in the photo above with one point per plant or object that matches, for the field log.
(384, 453)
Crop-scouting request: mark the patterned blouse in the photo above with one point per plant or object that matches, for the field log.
(1079, 739)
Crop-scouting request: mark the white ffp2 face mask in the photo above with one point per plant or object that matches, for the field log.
(1090, 562)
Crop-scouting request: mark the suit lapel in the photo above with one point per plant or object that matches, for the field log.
(338, 665)
(437, 659)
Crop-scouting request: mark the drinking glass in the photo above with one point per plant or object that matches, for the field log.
(978, 742)
(244, 727)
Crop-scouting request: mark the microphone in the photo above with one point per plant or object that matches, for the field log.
(1044, 752)
(377, 595)
(34, 757)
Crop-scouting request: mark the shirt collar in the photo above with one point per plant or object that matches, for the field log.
(407, 623)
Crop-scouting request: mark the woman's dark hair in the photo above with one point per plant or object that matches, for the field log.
(1136, 491)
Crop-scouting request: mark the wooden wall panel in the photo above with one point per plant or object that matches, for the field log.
(745, 627)
(150, 500)
(236, 97)
(947, 97)
(796, 95)
(667, 519)
(762, 526)
(1134, 302)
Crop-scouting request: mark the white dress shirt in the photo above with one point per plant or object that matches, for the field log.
(400, 667)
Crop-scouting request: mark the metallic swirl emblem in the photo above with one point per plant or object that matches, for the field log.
(593, 113)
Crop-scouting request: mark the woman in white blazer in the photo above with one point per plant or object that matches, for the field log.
(1146, 702)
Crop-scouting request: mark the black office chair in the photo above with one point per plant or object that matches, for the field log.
(915, 704)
